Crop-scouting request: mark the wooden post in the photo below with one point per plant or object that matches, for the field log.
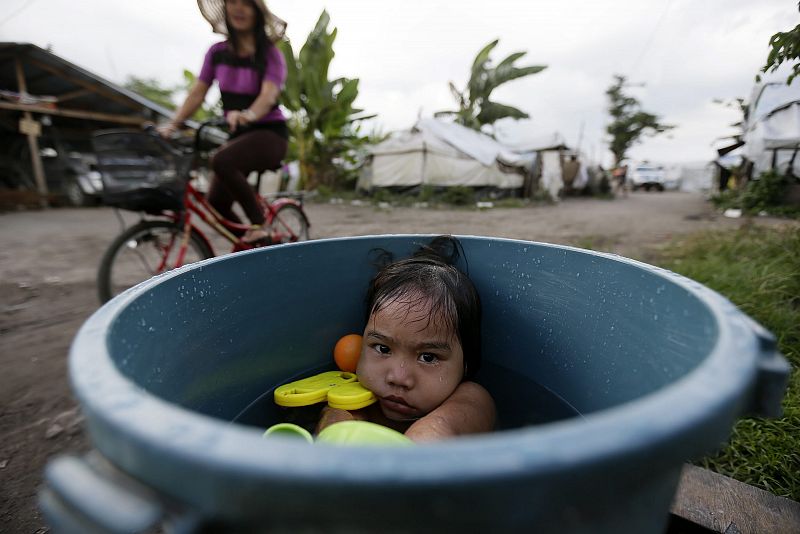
(32, 130)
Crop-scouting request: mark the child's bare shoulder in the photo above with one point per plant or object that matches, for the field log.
(473, 392)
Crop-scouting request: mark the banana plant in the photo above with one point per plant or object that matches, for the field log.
(323, 117)
(475, 109)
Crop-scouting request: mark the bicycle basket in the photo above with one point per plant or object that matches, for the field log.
(140, 171)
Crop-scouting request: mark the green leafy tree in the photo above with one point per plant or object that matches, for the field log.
(325, 134)
(784, 47)
(628, 122)
(475, 109)
(740, 105)
(151, 89)
(206, 111)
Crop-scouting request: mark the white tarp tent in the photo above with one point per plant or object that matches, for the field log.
(695, 176)
(442, 154)
(772, 130)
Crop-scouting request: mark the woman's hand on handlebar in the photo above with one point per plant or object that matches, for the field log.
(167, 131)
(238, 118)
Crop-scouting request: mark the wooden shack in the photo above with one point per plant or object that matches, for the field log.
(49, 108)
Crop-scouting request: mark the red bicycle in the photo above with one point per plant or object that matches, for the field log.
(144, 173)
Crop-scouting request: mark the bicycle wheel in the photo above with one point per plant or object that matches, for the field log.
(290, 224)
(142, 251)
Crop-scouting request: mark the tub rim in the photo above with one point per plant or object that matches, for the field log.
(128, 424)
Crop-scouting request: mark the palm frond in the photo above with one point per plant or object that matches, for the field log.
(492, 112)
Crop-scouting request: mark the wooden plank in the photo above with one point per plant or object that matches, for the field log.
(33, 142)
(72, 94)
(75, 113)
(722, 504)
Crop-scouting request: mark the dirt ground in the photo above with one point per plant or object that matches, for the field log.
(48, 262)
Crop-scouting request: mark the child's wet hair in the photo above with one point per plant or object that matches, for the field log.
(430, 276)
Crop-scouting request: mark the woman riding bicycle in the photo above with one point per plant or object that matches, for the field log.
(250, 71)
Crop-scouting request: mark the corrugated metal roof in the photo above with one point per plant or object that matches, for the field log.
(47, 74)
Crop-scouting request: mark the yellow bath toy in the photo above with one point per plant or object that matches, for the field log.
(341, 389)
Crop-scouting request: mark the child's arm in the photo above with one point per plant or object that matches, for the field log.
(330, 416)
(469, 410)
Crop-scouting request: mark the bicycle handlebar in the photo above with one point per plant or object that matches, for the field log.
(216, 122)
(202, 132)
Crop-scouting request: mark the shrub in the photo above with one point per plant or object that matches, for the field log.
(767, 194)
(426, 193)
(459, 195)
(324, 192)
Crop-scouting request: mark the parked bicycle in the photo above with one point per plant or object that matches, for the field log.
(144, 173)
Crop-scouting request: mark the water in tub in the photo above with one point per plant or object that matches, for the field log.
(520, 402)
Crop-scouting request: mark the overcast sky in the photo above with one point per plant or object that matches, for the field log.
(685, 52)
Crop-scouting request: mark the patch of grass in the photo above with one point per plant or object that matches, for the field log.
(510, 202)
(758, 269)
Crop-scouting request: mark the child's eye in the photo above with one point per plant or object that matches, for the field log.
(427, 357)
(383, 349)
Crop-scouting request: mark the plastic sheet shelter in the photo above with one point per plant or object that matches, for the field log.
(443, 154)
(553, 169)
(772, 128)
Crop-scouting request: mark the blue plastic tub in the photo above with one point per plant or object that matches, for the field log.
(635, 369)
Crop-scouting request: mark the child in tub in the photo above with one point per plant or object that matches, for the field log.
(421, 347)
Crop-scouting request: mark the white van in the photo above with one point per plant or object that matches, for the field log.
(647, 176)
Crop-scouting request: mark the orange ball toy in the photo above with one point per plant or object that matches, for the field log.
(347, 351)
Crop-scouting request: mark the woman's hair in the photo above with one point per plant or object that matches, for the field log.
(260, 33)
(430, 276)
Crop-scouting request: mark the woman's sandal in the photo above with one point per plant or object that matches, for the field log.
(257, 235)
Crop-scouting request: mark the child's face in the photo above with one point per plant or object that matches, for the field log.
(411, 361)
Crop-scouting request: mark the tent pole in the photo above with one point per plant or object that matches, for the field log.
(424, 163)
